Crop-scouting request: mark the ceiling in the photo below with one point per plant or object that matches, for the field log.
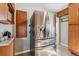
(54, 7)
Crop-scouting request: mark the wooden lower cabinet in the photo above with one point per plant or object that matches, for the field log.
(73, 42)
(6, 50)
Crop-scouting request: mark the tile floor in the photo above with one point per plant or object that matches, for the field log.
(50, 51)
(63, 51)
(24, 54)
(46, 51)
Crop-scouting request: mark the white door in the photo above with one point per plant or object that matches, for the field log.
(64, 32)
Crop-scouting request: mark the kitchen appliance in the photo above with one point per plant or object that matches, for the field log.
(41, 32)
(44, 28)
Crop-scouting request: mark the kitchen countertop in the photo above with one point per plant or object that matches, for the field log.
(7, 42)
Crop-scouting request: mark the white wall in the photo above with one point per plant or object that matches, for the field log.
(23, 44)
(57, 30)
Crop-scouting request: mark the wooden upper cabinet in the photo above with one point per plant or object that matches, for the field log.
(7, 13)
(11, 12)
(74, 14)
(21, 23)
(21, 17)
(3, 11)
(13, 5)
(73, 35)
(63, 12)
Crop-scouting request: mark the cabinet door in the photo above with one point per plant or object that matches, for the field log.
(13, 5)
(11, 12)
(77, 39)
(3, 11)
(73, 35)
(21, 31)
(21, 24)
(21, 16)
(6, 50)
(74, 14)
(11, 49)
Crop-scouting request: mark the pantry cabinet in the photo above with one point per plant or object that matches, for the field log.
(21, 17)
(73, 36)
(73, 41)
(74, 13)
(21, 23)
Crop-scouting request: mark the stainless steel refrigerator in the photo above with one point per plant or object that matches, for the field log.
(42, 30)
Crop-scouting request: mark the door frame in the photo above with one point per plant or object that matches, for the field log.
(60, 21)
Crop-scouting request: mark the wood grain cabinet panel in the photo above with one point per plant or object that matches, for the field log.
(63, 12)
(74, 38)
(11, 11)
(6, 50)
(7, 13)
(21, 23)
(13, 4)
(73, 41)
(3, 11)
(21, 17)
(74, 14)
(77, 40)
(21, 31)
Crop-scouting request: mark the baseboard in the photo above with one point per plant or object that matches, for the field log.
(17, 53)
(64, 44)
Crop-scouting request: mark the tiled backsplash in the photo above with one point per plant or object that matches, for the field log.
(6, 27)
